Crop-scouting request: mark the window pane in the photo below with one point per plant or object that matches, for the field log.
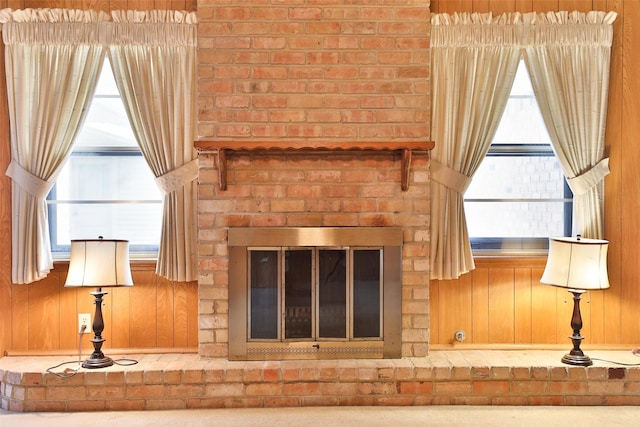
(107, 177)
(332, 294)
(366, 293)
(107, 83)
(517, 177)
(297, 294)
(515, 183)
(115, 221)
(515, 219)
(264, 295)
(83, 191)
(106, 125)
(522, 121)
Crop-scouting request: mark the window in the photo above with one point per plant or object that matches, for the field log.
(315, 293)
(106, 188)
(519, 196)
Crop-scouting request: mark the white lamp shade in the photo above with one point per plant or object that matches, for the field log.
(99, 263)
(577, 263)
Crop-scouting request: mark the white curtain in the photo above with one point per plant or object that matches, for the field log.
(474, 58)
(568, 56)
(53, 58)
(153, 56)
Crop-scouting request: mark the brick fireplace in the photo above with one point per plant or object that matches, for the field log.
(309, 116)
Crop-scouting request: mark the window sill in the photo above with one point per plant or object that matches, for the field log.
(483, 260)
(137, 264)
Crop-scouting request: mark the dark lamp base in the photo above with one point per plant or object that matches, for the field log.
(577, 360)
(92, 363)
(576, 357)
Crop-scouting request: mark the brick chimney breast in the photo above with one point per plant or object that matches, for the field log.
(304, 71)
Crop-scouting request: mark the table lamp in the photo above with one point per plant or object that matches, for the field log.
(579, 265)
(99, 263)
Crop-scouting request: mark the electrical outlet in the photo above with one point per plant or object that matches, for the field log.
(84, 320)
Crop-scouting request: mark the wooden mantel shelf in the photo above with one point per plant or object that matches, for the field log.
(222, 148)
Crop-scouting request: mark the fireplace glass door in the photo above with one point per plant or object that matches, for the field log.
(298, 280)
(264, 295)
(315, 294)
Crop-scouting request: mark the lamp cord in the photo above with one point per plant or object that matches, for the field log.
(70, 372)
(635, 352)
(127, 362)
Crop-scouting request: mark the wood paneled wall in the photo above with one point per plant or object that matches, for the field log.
(154, 313)
(501, 302)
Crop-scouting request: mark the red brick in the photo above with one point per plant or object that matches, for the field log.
(106, 391)
(529, 387)
(568, 387)
(300, 389)
(281, 402)
(165, 404)
(185, 390)
(190, 376)
(67, 393)
(263, 389)
(508, 400)
(416, 387)
(596, 373)
(559, 373)
(40, 406)
(319, 401)
(290, 374)
(114, 377)
(152, 377)
(338, 389)
(35, 393)
(304, 13)
(491, 387)
(323, 28)
(622, 400)
(224, 390)
(452, 387)
(605, 387)
(29, 378)
(632, 388)
(394, 400)
(545, 400)
(232, 13)
(145, 391)
(270, 375)
(583, 400)
(204, 403)
(288, 58)
(86, 405)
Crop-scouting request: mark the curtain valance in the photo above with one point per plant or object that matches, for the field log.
(71, 26)
(85, 16)
(522, 29)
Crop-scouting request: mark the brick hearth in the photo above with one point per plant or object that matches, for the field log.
(460, 377)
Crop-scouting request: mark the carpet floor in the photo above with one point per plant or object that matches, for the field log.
(534, 416)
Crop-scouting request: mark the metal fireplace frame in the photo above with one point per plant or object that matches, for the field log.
(242, 238)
